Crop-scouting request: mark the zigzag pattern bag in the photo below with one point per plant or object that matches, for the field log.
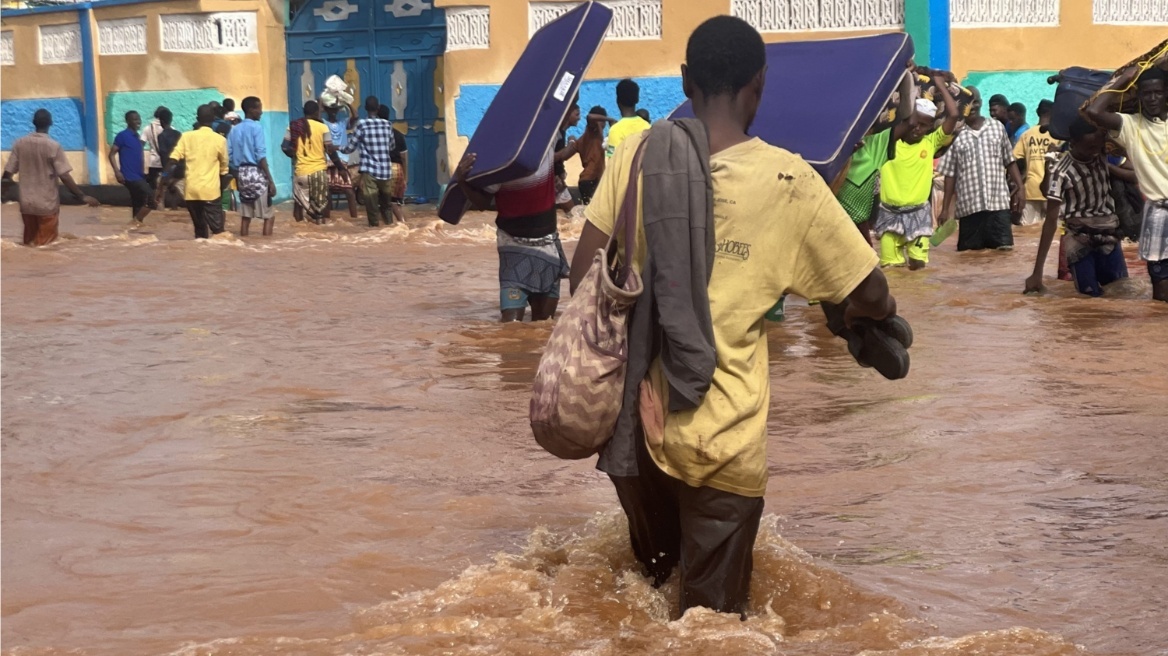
(579, 386)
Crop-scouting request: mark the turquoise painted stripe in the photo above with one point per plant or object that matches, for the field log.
(89, 89)
(659, 95)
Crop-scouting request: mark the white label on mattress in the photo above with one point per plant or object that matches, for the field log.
(563, 86)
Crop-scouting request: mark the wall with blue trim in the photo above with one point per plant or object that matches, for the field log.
(659, 95)
(184, 103)
(1026, 87)
(16, 121)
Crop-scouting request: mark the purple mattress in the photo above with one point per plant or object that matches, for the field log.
(521, 122)
(822, 96)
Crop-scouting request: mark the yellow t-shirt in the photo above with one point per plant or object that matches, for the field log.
(622, 130)
(310, 154)
(1146, 143)
(778, 229)
(907, 179)
(1032, 147)
(205, 154)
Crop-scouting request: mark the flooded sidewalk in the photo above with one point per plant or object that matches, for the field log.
(317, 444)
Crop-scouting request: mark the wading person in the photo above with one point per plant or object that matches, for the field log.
(531, 258)
(975, 170)
(204, 154)
(153, 159)
(1145, 138)
(904, 219)
(373, 139)
(691, 477)
(40, 162)
(400, 158)
(248, 151)
(313, 149)
(590, 146)
(1030, 151)
(1079, 190)
(127, 159)
(340, 182)
(565, 149)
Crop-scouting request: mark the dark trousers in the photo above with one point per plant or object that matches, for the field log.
(207, 215)
(708, 534)
(983, 230)
(587, 188)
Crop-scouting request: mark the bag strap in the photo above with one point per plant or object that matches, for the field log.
(627, 217)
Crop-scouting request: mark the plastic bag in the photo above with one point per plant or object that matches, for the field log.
(336, 91)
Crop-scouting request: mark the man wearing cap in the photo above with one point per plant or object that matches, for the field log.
(904, 219)
(1030, 151)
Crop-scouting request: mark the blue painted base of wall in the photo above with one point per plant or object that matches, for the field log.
(659, 95)
(16, 121)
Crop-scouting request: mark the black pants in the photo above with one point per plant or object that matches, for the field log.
(207, 215)
(708, 533)
(587, 188)
(140, 196)
(983, 230)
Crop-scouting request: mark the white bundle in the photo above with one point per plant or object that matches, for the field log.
(336, 91)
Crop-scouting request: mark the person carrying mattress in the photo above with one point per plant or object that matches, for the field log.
(726, 224)
(531, 258)
(904, 219)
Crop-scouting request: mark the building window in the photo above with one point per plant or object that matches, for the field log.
(1003, 13)
(122, 36)
(1131, 12)
(631, 19)
(819, 15)
(7, 51)
(468, 28)
(229, 32)
(60, 44)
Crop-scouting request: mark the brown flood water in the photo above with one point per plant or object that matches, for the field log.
(316, 444)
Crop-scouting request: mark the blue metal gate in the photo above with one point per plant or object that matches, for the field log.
(391, 49)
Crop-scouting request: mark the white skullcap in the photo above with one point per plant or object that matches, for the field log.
(926, 107)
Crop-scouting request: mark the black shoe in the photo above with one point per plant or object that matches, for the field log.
(881, 345)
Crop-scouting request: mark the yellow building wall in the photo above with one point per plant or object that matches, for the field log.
(180, 81)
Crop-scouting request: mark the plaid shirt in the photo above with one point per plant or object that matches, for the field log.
(374, 136)
(978, 160)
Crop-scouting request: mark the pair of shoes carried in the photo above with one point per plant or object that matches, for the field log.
(882, 345)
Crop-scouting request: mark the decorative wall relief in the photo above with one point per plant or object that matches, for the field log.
(816, 15)
(228, 32)
(631, 19)
(7, 49)
(1131, 12)
(60, 44)
(991, 13)
(468, 28)
(122, 36)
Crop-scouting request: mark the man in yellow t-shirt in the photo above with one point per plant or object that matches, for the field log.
(904, 220)
(205, 153)
(628, 94)
(695, 500)
(1030, 151)
(312, 144)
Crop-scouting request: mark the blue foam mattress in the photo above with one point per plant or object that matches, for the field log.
(822, 96)
(520, 125)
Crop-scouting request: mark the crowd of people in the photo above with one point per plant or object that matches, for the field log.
(222, 163)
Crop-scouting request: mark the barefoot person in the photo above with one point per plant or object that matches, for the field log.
(40, 162)
(1145, 138)
(313, 149)
(691, 480)
(531, 258)
(248, 151)
(904, 219)
(1080, 192)
(127, 159)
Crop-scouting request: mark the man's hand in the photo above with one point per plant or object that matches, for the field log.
(1034, 284)
(119, 177)
(271, 189)
(90, 201)
(464, 167)
(1018, 201)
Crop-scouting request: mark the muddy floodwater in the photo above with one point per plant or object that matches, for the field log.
(316, 444)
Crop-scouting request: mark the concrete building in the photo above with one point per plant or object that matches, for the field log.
(438, 63)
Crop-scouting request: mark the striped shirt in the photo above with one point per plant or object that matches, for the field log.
(1083, 188)
(978, 161)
